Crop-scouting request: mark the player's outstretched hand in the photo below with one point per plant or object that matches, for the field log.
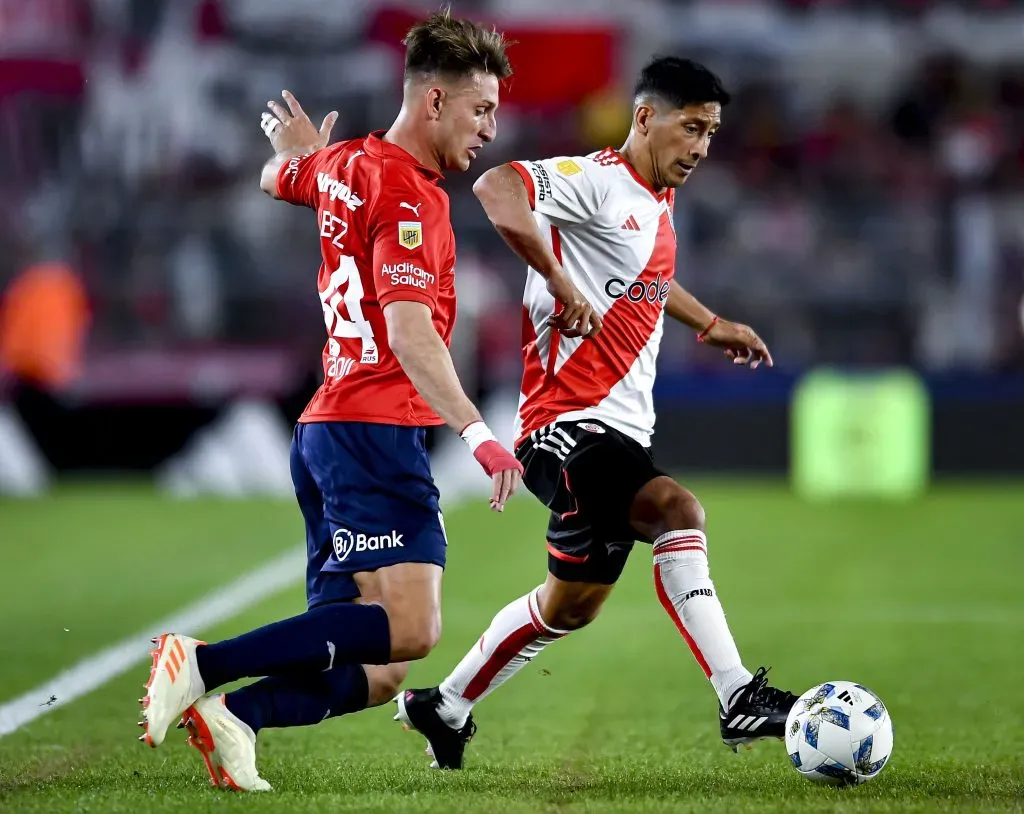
(291, 129)
(500, 464)
(576, 316)
(740, 342)
(504, 469)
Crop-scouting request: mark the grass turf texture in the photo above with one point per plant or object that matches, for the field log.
(920, 602)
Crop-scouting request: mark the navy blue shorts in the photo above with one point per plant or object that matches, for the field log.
(368, 500)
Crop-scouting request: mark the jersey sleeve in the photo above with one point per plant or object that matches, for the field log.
(296, 180)
(409, 235)
(565, 189)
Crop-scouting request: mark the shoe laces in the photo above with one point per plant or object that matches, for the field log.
(760, 692)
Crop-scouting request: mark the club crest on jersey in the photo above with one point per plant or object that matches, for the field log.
(586, 425)
(568, 167)
(410, 233)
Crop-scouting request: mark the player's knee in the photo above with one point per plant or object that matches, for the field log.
(415, 639)
(574, 616)
(682, 510)
(663, 505)
(416, 646)
(569, 609)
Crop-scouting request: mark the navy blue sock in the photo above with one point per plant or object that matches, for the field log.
(301, 700)
(340, 633)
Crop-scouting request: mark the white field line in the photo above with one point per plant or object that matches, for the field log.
(95, 671)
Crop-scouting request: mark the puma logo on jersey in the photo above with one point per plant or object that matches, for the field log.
(338, 191)
(415, 209)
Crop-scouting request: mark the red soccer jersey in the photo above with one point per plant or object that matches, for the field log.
(385, 236)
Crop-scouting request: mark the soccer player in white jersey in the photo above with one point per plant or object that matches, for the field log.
(602, 225)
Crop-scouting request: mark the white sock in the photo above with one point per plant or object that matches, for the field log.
(516, 635)
(685, 589)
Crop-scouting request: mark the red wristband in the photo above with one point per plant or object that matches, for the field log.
(703, 334)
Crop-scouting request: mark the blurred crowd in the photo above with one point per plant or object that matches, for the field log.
(863, 203)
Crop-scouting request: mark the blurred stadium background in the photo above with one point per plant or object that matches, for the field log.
(863, 208)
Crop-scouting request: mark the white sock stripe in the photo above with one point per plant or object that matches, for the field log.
(534, 605)
(681, 545)
(694, 555)
(695, 540)
(682, 534)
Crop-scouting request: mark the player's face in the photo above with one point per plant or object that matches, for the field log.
(679, 139)
(465, 121)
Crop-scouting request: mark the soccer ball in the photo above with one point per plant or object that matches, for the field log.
(839, 733)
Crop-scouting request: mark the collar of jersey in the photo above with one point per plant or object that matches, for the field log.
(377, 147)
(658, 196)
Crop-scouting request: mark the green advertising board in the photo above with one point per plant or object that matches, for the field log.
(860, 435)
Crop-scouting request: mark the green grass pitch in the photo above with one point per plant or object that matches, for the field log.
(921, 602)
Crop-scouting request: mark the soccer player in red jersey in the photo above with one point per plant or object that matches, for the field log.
(375, 536)
(586, 413)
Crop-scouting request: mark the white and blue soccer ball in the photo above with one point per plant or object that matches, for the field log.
(839, 733)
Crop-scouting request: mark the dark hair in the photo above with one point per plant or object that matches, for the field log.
(680, 82)
(456, 48)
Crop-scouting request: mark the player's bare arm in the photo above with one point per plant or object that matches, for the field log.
(740, 342)
(428, 364)
(291, 133)
(504, 197)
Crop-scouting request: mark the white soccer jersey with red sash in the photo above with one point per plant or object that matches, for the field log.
(615, 239)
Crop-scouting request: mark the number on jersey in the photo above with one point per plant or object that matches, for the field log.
(346, 286)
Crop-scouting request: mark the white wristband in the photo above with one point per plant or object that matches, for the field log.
(476, 434)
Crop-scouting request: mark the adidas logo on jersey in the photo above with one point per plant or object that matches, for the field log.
(631, 224)
(338, 191)
(636, 291)
(345, 542)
